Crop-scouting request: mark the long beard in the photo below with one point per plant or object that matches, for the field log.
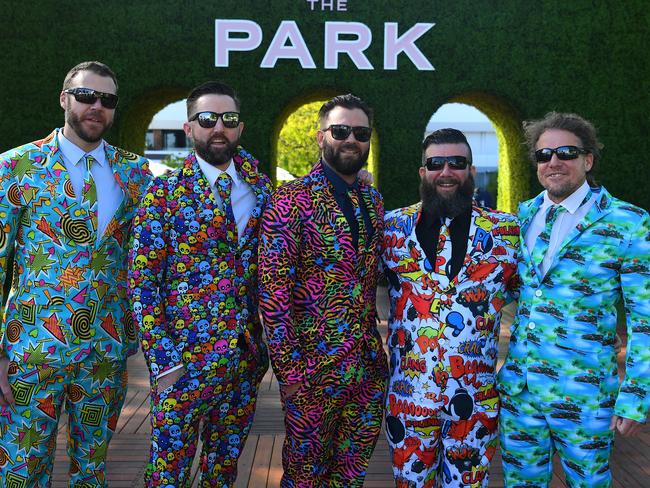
(434, 203)
(216, 156)
(346, 165)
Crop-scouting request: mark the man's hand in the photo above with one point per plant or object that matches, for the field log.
(626, 427)
(169, 379)
(365, 177)
(6, 396)
(289, 390)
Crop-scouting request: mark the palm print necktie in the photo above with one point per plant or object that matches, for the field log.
(224, 187)
(541, 243)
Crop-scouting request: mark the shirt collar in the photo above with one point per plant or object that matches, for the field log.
(74, 154)
(339, 184)
(571, 203)
(212, 172)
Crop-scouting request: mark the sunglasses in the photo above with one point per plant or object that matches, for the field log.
(564, 153)
(89, 97)
(436, 163)
(341, 132)
(208, 120)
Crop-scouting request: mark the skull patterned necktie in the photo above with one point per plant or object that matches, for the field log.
(353, 194)
(89, 194)
(541, 243)
(224, 187)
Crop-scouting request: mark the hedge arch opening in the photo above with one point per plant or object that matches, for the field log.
(294, 146)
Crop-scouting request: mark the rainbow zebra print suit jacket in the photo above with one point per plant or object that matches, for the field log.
(317, 294)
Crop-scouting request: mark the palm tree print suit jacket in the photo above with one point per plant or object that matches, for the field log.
(194, 290)
(317, 294)
(69, 289)
(562, 343)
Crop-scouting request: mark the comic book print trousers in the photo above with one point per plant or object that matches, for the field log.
(431, 449)
(531, 430)
(92, 392)
(216, 407)
(332, 428)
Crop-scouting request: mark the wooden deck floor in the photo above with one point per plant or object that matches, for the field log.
(260, 464)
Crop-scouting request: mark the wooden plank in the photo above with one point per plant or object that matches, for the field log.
(275, 468)
(245, 462)
(260, 468)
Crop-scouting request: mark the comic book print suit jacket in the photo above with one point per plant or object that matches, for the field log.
(317, 294)
(69, 289)
(562, 343)
(193, 289)
(443, 336)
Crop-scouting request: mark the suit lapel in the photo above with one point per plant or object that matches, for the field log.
(247, 169)
(526, 214)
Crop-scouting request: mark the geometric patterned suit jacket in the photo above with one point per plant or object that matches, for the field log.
(69, 290)
(562, 343)
(317, 293)
(193, 290)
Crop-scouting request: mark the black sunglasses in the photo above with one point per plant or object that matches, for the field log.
(564, 153)
(208, 120)
(341, 132)
(90, 96)
(436, 163)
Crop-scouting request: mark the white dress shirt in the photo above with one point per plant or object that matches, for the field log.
(109, 193)
(241, 194)
(565, 222)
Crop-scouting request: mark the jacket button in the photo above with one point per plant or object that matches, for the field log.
(531, 325)
(538, 293)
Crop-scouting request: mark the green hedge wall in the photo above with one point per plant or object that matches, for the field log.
(512, 59)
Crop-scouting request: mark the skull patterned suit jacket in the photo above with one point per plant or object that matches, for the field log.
(193, 290)
(69, 289)
(562, 343)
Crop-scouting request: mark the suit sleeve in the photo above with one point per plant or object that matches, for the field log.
(147, 258)
(633, 399)
(279, 252)
(11, 203)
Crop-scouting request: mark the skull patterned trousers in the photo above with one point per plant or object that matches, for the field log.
(216, 407)
(92, 392)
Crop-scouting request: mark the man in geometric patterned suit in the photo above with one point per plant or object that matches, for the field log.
(193, 287)
(451, 267)
(66, 204)
(582, 252)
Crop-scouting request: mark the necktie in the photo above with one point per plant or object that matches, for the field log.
(541, 243)
(224, 187)
(443, 256)
(353, 194)
(89, 193)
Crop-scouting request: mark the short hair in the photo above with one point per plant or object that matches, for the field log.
(210, 88)
(348, 101)
(578, 126)
(93, 66)
(445, 136)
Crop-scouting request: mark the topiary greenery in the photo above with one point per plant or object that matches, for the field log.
(513, 60)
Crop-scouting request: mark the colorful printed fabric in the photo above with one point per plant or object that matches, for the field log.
(531, 431)
(92, 392)
(68, 301)
(317, 295)
(562, 344)
(194, 298)
(227, 411)
(442, 405)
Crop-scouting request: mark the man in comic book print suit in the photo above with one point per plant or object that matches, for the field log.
(193, 287)
(66, 205)
(451, 269)
(582, 252)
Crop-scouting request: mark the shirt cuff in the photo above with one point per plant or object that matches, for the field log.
(170, 370)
